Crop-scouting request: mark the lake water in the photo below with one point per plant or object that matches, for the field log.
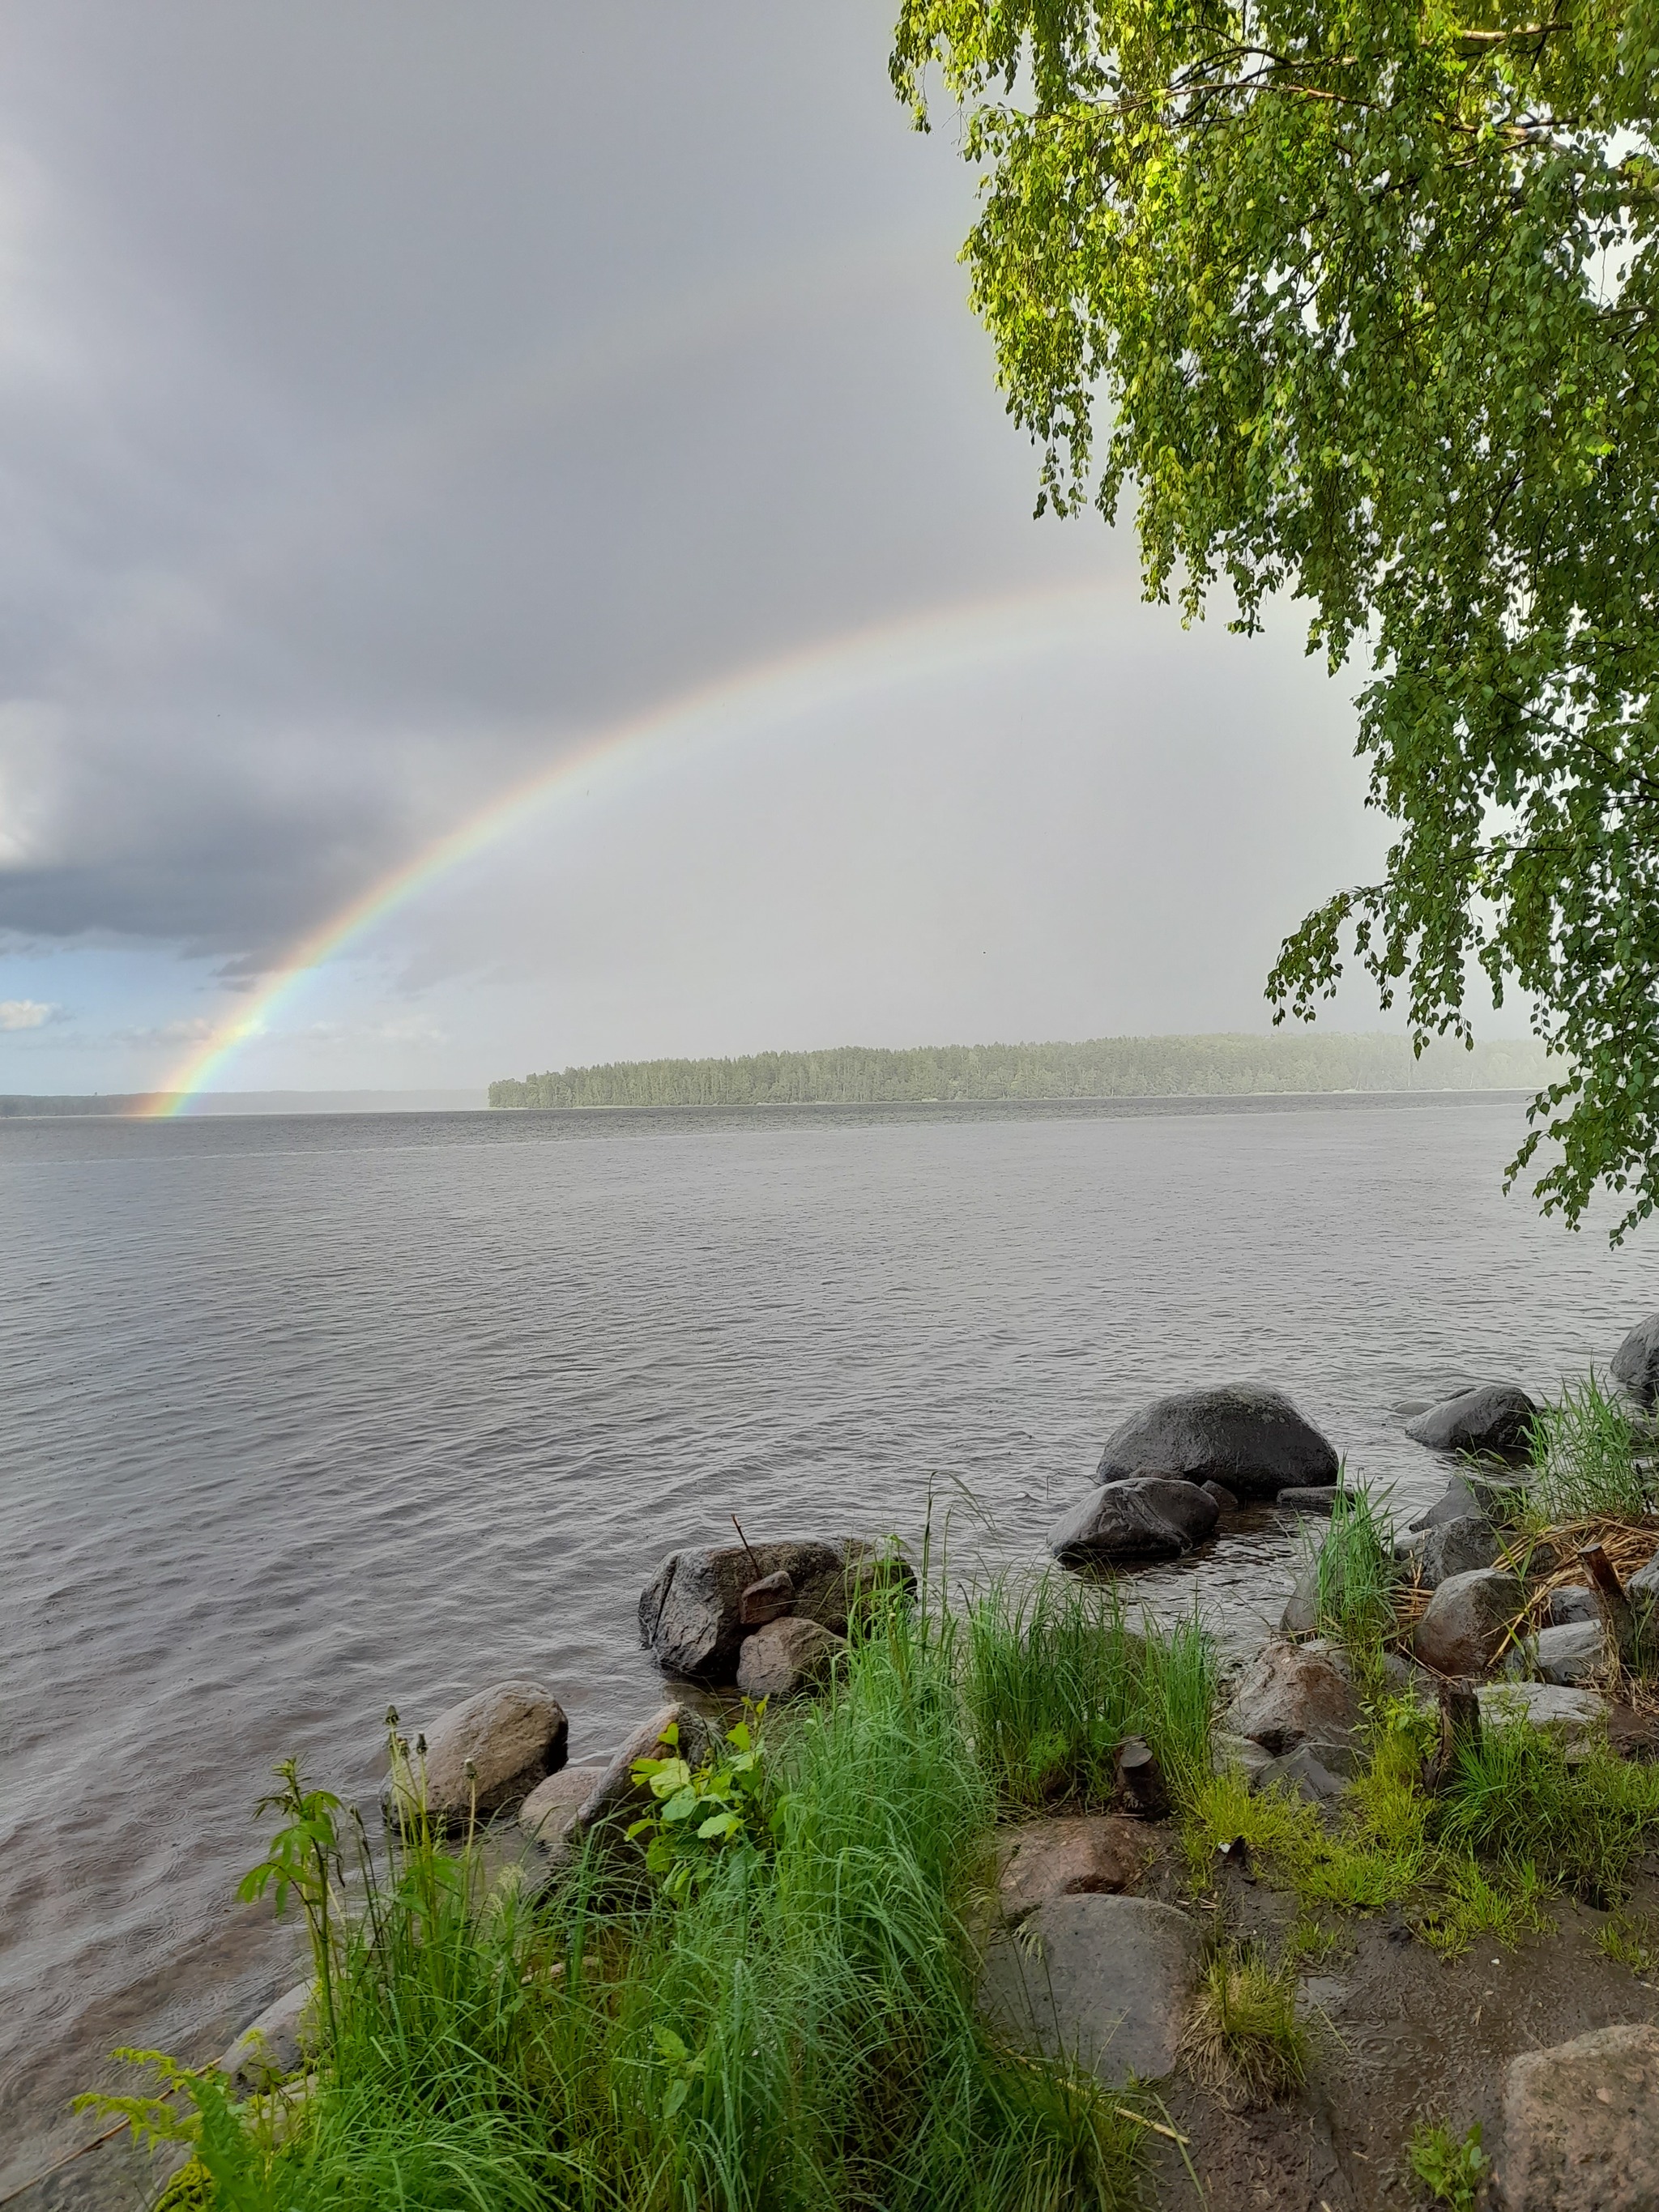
(304, 1416)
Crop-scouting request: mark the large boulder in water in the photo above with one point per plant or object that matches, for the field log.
(1252, 1440)
(1494, 1421)
(701, 1602)
(1636, 1363)
(511, 1735)
(1145, 1520)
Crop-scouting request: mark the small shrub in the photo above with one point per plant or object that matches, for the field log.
(726, 1805)
(1448, 2168)
(1244, 2031)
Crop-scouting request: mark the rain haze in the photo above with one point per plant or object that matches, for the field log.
(398, 403)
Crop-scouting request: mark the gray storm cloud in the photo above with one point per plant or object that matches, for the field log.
(389, 395)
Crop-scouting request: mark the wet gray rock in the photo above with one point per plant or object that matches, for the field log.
(1250, 1440)
(691, 1610)
(1106, 1979)
(1242, 1751)
(1290, 1692)
(785, 1658)
(1455, 1547)
(514, 1734)
(274, 2045)
(615, 1798)
(1636, 1363)
(1466, 1621)
(1577, 1715)
(1142, 1520)
(1580, 2129)
(1301, 1614)
(1073, 1855)
(1495, 1420)
(1571, 1603)
(549, 1812)
(1577, 1654)
(1223, 1497)
(1319, 1773)
(1457, 1501)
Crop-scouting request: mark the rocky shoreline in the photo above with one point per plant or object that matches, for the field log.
(1529, 2039)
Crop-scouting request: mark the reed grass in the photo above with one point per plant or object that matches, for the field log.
(1357, 1579)
(1054, 1678)
(1591, 1460)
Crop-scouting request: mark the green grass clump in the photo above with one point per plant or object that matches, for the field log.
(794, 2032)
(1448, 2167)
(1590, 1461)
(1357, 1578)
(1632, 1939)
(1517, 1799)
(1052, 1679)
(1242, 2031)
(1515, 1822)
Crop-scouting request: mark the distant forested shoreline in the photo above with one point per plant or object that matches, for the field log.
(1101, 1067)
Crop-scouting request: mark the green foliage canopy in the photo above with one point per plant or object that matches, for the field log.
(1363, 293)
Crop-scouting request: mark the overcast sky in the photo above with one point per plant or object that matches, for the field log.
(393, 398)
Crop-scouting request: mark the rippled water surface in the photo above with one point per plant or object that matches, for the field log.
(302, 1416)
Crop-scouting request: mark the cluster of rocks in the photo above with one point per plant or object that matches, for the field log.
(767, 1618)
(1170, 1475)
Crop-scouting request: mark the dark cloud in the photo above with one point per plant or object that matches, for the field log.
(389, 394)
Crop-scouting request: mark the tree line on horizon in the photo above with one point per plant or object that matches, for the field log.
(1100, 1067)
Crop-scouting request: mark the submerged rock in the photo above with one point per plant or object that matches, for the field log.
(691, 1611)
(1636, 1363)
(274, 2045)
(1250, 1440)
(1143, 1519)
(1292, 1692)
(785, 1658)
(1105, 1979)
(1455, 1547)
(1076, 1854)
(1315, 1501)
(1495, 1419)
(513, 1734)
(1223, 1497)
(1467, 1619)
(1581, 2125)
(1311, 1771)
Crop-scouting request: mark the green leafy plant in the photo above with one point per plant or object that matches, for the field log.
(1450, 2168)
(726, 1805)
(305, 1860)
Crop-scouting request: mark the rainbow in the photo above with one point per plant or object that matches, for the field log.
(621, 758)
